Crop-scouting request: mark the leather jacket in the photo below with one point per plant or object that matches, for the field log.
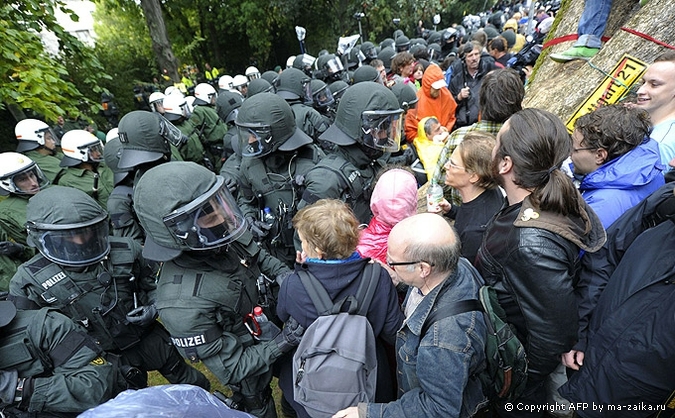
(532, 262)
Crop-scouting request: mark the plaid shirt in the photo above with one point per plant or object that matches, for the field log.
(453, 140)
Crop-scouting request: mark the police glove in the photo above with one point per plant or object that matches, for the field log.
(231, 184)
(259, 229)
(142, 316)
(10, 248)
(290, 336)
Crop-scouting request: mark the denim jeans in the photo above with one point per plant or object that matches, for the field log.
(592, 23)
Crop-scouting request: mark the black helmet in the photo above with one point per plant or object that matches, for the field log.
(398, 33)
(406, 95)
(434, 38)
(331, 67)
(338, 88)
(272, 77)
(227, 106)
(304, 62)
(265, 123)
(294, 85)
(111, 156)
(402, 43)
(366, 73)
(184, 206)
(355, 57)
(145, 138)
(386, 55)
(321, 94)
(368, 49)
(386, 43)
(259, 85)
(368, 114)
(67, 226)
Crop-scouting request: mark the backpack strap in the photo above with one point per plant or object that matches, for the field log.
(366, 291)
(453, 309)
(320, 298)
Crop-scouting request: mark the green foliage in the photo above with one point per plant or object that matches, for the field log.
(35, 81)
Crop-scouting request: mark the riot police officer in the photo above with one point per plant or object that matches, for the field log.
(38, 142)
(295, 87)
(367, 125)
(210, 128)
(276, 155)
(213, 275)
(176, 111)
(49, 366)
(100, 282)
(83, 155)
(20, 178)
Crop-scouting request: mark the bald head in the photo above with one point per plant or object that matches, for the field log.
(428, 237)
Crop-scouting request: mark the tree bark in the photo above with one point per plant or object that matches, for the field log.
(161, 45)
(562, 88)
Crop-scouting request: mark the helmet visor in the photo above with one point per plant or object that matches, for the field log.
(47, 135)
(334, 66)
(232, 116)
(170, 132)
(95, 152)
(254, 139)
(26, 182)
(210, 221)
(323, 97)
(381, 129)
(72, 245)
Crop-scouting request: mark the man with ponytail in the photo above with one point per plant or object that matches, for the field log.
(531, 249)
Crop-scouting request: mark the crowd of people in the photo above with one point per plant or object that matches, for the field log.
(184, 235)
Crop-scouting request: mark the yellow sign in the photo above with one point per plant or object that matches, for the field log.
(613, 87)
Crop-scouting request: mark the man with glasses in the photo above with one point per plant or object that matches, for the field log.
(424, 253)
(617, 162)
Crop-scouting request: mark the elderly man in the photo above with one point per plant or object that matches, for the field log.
(424, 252)
(465, 83)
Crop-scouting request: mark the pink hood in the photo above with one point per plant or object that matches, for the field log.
(394, 197)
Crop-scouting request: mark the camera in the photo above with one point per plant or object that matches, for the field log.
(396, 21)
(359, 15)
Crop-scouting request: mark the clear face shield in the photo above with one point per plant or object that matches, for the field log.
(94, 152)
(232, 117)
(254, 139)
(323, 97)
(307, 89)
(171, 133)
(210, 221)
(334, 66)
(382, 129)
(73, 245)
(26, 182)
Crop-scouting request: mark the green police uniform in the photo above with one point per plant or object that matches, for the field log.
(12, 228)
(310, 120)
(87, 180)
(107, 279)
(122, 217)
(211, 130)
(211, 278)
(49, 164)
(192, 150)
(64, 369)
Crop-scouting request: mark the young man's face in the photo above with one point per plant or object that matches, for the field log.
(658, 90)
(583, 157)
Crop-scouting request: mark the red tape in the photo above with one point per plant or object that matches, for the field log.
(574, 37)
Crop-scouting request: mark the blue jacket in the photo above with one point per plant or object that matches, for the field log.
(622, 183)
(438, 371)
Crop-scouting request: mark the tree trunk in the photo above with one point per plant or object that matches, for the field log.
(563, 88)
(160, 39)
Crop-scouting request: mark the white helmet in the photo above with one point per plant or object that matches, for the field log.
(205, 94)
(169, 90)
(32, 134)
(289, 61)
(225, 82)
(252, 73)
(240, 81)
(156, 96)
(80, 146)
(175, 108)
(113, 133)
(20, 175)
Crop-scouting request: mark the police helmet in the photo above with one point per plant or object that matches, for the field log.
(227, 106)
(80, 146)
(111, 156)
(295, 85)
(368, 114)
(406, 95)
(252, 73)
(184, 206)
(272, 77)
(402, 43)
(205, 94)
(259, 85)
(321, 95)
(225, 82)
(265, 123)
(176, 107)
(20, 175)
(366, 73)
(338, 88)
(368, 49)
(386, 55)
(33, 134)
(145, 138)
(67, 226)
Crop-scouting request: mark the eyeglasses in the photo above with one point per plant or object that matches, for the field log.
(393, 264)
(583, 149)
(455, 166)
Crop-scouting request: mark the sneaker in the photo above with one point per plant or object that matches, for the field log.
(575, 53)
